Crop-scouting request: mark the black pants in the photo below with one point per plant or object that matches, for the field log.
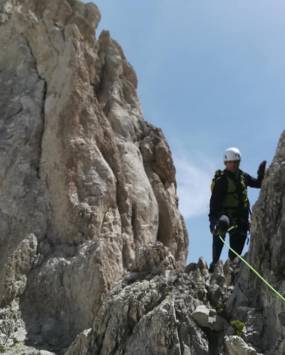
(237, 240)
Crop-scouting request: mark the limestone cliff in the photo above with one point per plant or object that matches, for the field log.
(86, 183)
(92, 243)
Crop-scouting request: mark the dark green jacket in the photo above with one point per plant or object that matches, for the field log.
(229, 196)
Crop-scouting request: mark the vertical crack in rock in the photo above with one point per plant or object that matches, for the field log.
(179, 332)
(44, 96)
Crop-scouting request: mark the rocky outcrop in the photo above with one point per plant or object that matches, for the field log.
(235, 345)
(92, 244)
(253, 302)
(167, 313)
(86, 183)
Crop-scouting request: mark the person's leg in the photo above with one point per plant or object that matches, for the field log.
(216, 250)
(237, 240)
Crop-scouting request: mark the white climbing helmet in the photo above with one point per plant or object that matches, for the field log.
(232, 154)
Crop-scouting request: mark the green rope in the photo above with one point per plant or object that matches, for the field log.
(251, 267)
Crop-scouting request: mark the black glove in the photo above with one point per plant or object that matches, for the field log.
(220, 226)
(261, 169)
(213, 225)
(223, 225)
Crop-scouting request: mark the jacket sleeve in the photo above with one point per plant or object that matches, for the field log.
(253, 182)
(217, 198)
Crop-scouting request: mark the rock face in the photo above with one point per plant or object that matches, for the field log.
(86, 183)
(170, 313)
(253, 302)
(158, 314)
(92, 244)
(237, 346)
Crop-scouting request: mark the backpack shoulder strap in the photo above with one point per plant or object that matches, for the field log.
(218, 174)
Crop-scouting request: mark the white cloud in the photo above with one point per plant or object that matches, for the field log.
(193, 184)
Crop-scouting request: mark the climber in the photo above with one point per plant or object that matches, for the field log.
(229, 200)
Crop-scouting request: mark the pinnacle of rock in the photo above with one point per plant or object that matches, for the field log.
(92, 243)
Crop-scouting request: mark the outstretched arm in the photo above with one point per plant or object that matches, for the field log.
(253, 182)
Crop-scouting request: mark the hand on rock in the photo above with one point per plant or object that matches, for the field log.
(261, 169)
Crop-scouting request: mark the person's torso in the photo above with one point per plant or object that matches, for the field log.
(235, 201)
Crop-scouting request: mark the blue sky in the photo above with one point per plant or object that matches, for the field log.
(211, 75)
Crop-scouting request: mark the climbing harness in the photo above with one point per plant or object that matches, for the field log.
(251, 267)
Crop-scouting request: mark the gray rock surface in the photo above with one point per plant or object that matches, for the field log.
(153, 316)
(80, 344)
(235, 345)
(86, 183)
(208, 318)
(252, 301)
(92, 243)
(168, 313)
